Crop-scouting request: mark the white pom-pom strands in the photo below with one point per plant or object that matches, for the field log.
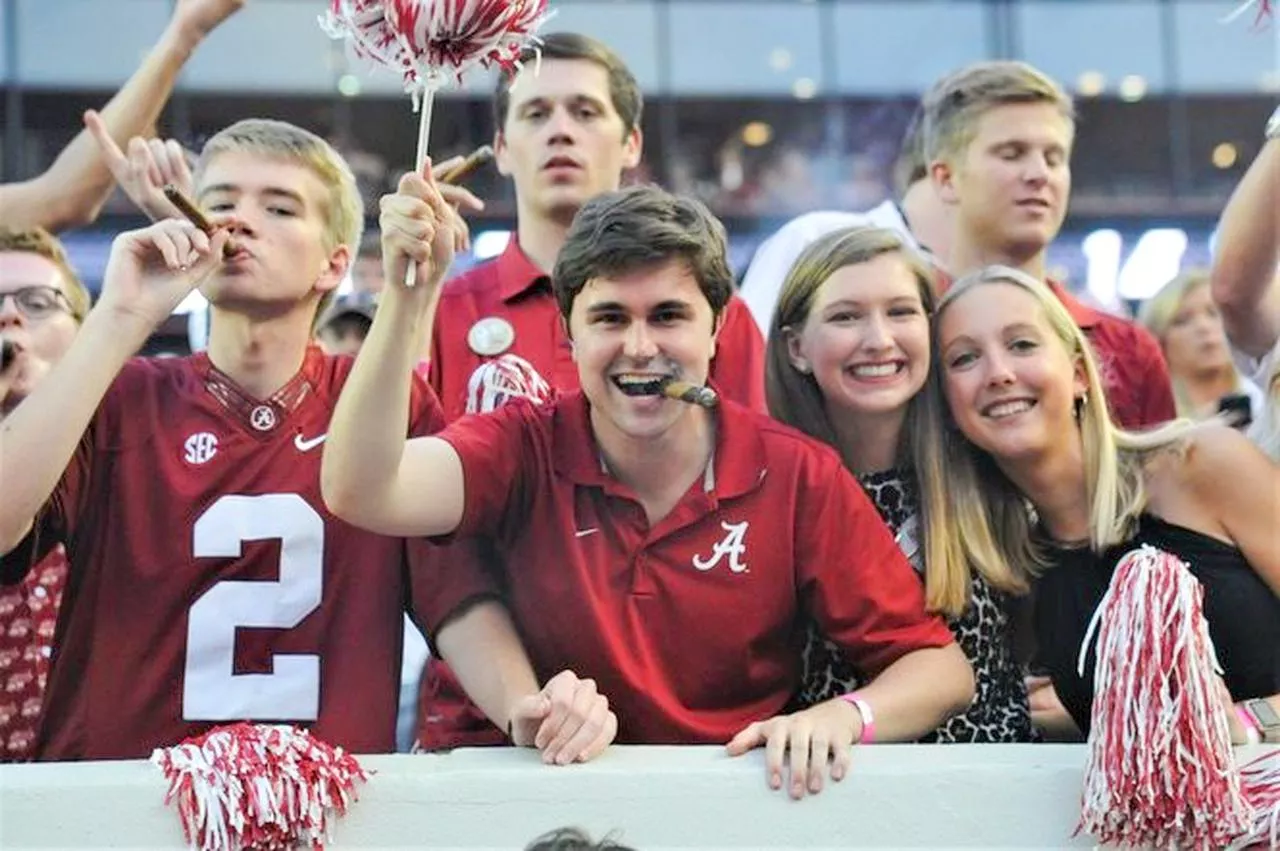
(1159, 771)
(257, 786)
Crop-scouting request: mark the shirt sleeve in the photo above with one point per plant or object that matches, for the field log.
(858, 586)
(426, 416)
(501, 460)
(738, 367)
(1258, 370)
(445, 579)
(1157, 404)
(57, 519)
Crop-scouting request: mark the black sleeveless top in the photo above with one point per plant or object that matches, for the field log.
(1242, 611)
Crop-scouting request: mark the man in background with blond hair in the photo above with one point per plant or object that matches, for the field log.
(208, 583)
(42, 303)
(566, 130)
(998, 139)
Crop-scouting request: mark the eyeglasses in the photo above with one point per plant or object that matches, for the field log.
(37, 303)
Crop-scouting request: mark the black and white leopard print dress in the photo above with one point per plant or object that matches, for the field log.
(999, 711)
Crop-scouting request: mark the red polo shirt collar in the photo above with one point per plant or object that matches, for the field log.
(739, 465)
(517, 274)
(1082, 314)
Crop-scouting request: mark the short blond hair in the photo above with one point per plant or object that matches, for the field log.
(39, 241)
(957, 102)
(344, 207)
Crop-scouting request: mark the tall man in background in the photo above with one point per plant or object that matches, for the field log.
(567, 128)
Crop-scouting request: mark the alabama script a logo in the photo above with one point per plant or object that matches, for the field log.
(734, 545)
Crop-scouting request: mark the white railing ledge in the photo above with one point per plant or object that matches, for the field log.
(942, 796)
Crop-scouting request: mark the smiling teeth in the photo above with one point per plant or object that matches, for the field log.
(876, 370)
(1006, 409)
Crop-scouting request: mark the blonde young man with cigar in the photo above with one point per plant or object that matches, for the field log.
(207, 581)
(668, 554)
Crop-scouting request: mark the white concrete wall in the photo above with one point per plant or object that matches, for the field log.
(1023, 796)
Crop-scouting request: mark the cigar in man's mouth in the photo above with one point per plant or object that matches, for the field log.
(683, 391)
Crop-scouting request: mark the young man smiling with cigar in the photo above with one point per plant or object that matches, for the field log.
(664, 554)
(567, 128)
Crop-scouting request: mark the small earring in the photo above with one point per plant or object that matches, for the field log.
(1082, 402)
(802, 368)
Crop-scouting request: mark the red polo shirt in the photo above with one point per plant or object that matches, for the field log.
(1134, 372)
(513, 289)
(692, 628)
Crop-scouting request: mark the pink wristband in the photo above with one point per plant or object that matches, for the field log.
(868, 734)
(1252, 735)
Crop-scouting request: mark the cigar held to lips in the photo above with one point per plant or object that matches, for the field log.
(8, 353)
(195, 215)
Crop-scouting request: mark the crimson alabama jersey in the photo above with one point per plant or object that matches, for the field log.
(208, 584)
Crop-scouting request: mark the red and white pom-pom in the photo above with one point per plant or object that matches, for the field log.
(1260, 780)
(432, 42)
(258, 786)
(496, 382)
(1159, 770)
(1264, 11)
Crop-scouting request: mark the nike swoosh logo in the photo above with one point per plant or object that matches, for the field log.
(305, 445)
(582, 533)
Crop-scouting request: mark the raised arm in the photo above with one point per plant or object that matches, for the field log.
(74, 188)
(371, 476)
(148, 273)
(1244, 279)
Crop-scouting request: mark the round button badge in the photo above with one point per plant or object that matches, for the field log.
(491, 336)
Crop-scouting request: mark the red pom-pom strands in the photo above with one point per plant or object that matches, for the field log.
(1263, 13)
(431, 43)
(1260, 780)
(257, 786)
(503, 379)
(1159, 771)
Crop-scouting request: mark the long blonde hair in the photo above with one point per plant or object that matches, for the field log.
(1157, 315)
(796, 399)
(991, 522)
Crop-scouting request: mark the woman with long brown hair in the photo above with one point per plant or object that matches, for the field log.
(848, 355)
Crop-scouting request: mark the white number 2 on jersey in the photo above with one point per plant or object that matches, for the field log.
(211, 691)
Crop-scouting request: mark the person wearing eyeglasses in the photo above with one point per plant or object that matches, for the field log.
(42, 302)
